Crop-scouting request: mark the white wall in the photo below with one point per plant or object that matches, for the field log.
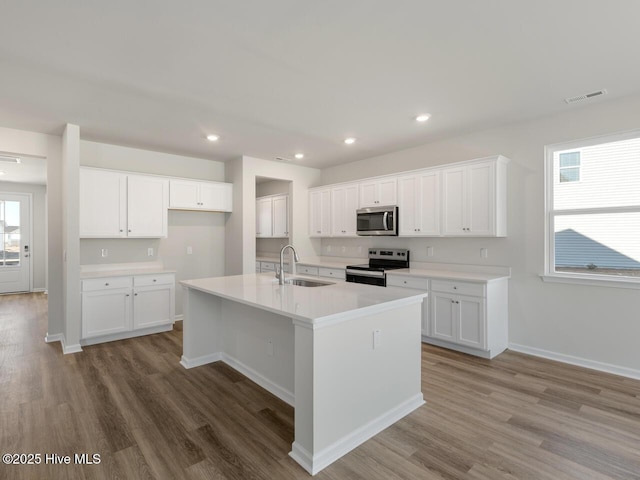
(33, 144)
(599, 324)
(39, 233)
(204, 232)
(241, 227)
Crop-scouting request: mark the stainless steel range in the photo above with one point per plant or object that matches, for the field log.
(380, 260)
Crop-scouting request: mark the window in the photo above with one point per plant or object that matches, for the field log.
(569, 167)
(593, 209)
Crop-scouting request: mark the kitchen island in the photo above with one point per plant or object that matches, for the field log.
(347, 356)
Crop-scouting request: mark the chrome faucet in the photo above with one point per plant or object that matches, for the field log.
(280, 273)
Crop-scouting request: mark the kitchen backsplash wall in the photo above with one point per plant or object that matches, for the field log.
(443, 250)
(202, 231)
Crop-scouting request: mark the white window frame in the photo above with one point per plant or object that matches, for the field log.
(550, 275)
(579, 167)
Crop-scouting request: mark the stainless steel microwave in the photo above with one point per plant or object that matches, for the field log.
(377, 221)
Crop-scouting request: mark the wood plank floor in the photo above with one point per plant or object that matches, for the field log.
(513, 417)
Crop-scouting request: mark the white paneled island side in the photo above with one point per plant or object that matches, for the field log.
(346, 356)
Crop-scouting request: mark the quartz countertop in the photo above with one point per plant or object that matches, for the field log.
(123, 272)
(449, 274)
(326, 262)
(312, 305)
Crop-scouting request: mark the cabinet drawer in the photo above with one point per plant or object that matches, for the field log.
(267, 267)
(146, 280)
(107, 283)
(461, 288)
(332, 273)
(408, 282)
(306, 270)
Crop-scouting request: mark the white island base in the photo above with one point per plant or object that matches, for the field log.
(346, 356)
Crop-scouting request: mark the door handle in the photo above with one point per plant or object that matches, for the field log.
(385, 216)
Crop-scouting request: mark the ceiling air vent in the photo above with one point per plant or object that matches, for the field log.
(586, 96)
(283, 159)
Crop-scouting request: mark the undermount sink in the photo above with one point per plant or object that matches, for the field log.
(305, 282)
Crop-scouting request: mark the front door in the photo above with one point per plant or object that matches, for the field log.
(15, 249)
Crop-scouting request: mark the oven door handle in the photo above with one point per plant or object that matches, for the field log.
(385, 218)
(364, 273)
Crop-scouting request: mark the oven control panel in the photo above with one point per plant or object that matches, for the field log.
(389, 253)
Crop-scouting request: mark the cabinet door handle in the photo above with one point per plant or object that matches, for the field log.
(127, 295)
(154, 280)
(135, 295)
(455, 288)
(129, 230)
(106, 284)
(121, 230)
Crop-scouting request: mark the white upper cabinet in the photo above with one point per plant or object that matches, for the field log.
(147, 204)
(344, 203)
(474, 199)
(463, 199)
(196, 195)
(263, 218)
(419, 204)
(116, 205)
(320, 212)
(280, 215)
(272, 216)
(103, 203)
(378, 192)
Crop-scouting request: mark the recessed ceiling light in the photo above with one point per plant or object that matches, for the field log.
(423, 117)
(350, 140)
(213, 138)
(299, 156)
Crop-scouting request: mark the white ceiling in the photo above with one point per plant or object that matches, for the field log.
(276, 77)
(31, 170)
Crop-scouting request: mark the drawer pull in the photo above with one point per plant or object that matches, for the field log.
(154, 280)
(455, 288)
(106, 284)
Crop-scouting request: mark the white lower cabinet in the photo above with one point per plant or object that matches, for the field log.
(470, 317)
(119, 307)
(416, 283)
(105, 312)
(458, 319)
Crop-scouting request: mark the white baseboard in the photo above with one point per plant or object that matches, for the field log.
(199, 361)
(282, 393)
(580, 362)
(167, 327)
(314, 463)
(56, 337)
(39, 290)
(457, 348)
(66, 349)
(178, 318)
(59, 337)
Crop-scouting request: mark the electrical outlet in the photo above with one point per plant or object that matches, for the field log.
(429, 251)
(484, 253)
(189, 250)
(104, 252)
(377, 338)
(150, 252)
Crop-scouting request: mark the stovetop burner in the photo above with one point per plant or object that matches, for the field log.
(381, 259)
